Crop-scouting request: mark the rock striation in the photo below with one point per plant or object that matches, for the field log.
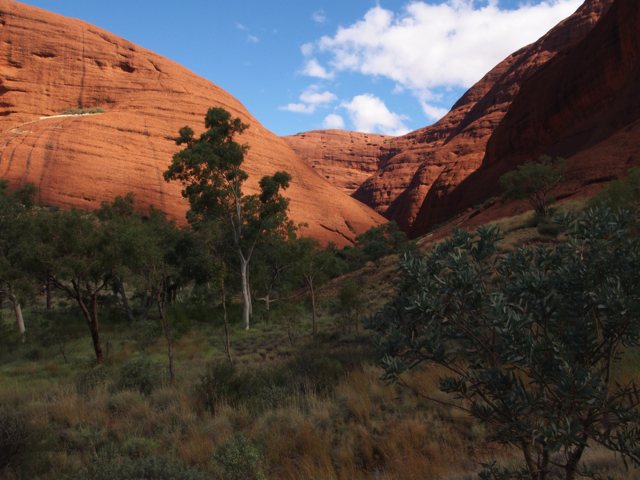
(427, 180)
(583, 105)
(50, 63)
(346, 159)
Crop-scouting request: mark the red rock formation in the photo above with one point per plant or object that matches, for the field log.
(344, 158)
(422, 180)
(584, 105)
(49, 63)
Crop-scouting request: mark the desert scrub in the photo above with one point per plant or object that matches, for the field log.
(239, 459)
(15, 438)
(83, 111)
(157, 467)
(24, 448)
(140, 375)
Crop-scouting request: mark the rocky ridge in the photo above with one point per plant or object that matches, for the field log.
(50, 63)
(346, 159)
(418, 186)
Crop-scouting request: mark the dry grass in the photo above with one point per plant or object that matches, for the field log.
(361, 429)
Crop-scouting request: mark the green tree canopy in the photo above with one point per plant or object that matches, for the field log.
(534, 181)
(78, 254)
(15, 208)
(209, 167)
(315, 265)
(529, 339)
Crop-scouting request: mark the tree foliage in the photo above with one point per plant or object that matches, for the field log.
(15, 208)
(315, 266)
(534, 181)
(530, 339)
(209, 167)
(78, 254)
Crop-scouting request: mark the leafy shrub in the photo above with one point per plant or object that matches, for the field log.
(9, 336)
(239, 459)
(537, 333)
(34, 354)
(138, 447)
(15, 439)
(550, 229)
(123, 403)
(622, 193)
(158, 467)
(82, 111)
(270, 386)
(87, 381)
(145, 334)
(221, 382)
(140, 375)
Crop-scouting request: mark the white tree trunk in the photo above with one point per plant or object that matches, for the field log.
(19, 319)
(246, 293)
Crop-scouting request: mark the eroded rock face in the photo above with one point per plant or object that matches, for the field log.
(583, 105)
(346, 159)
(418, 186)
(49, 63)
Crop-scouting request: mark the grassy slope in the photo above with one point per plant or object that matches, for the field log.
(356, 429)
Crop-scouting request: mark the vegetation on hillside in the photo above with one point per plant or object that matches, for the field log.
(134, 359)
(82, 111)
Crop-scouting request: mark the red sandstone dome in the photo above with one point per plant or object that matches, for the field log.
(574, 92)
(50, 63)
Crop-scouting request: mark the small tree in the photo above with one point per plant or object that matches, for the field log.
(352, 303)
(529, 339)
(14, 212)
(315, 266)
(121, 216)
(534, 181)
(210, 170)
(77, 253)
(149, 249)
(273, 259)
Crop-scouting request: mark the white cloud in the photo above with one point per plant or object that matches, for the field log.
(369, 114)
(307, 49)
(432, 112)
(430, 46)
(333, 121)
(239, 26)
(312, 99)
(299, 108)
(253, 39)
(314, 69)
(319, 16)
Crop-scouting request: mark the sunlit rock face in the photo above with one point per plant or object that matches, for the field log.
(429, 174)
(50, 63)
(344, 158)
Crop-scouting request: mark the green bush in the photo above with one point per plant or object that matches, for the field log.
(550, 229)
(158, 467)
(537, 333)
(15, 440)
(86, 382)
(82, 111)
(222, 382)
(9, 336)
(239, 459)
(145, 334)
(140, 375)
(34, 354)
(139, 447)
(270, 386)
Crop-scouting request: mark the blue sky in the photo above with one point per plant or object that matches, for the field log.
(376, 66)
